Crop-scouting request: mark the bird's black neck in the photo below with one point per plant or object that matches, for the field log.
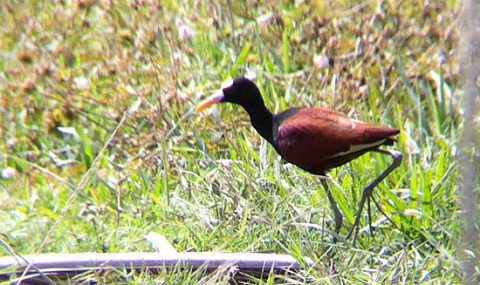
(262, 121)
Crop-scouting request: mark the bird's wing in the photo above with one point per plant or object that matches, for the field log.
(312, 135)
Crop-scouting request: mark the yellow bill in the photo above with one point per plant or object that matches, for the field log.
(210, 101)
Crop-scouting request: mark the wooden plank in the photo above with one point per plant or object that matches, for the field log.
(76, 263)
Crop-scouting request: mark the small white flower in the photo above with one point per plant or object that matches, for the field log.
(185, 32)
(81, 83)
(8, 173)
(321, 62)
(177, 56)
(11, 142)
(227, 163)
(265, 20)
(130, 90)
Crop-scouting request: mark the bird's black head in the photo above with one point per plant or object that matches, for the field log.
(242, 92)
(246, 94)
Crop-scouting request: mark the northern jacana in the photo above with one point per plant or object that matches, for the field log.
(314, 139)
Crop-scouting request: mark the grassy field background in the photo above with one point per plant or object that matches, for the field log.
(70, 70)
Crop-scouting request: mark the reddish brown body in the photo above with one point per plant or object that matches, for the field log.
(318, 139)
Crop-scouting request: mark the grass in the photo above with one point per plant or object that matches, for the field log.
(207, 182)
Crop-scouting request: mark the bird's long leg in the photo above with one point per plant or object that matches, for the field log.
(367, 192)
(336, 211)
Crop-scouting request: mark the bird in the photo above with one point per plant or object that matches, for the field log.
(314, 139)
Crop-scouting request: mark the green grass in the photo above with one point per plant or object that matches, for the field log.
(206, 181)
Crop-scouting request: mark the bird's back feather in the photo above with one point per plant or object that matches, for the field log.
(317, 139)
